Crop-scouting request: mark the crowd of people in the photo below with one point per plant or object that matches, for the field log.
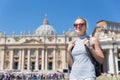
(32, 76)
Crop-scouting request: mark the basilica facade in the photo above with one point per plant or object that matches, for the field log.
(44, 50)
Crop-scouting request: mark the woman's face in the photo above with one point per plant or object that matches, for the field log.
(80, 26)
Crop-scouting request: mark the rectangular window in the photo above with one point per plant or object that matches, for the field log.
(25, 66)
(119, 66)
(26, 52)
(70, 38)
(40, 52)
(49, 51)
(16, 52)
(50, 66)
(15, 65)
(40, 67)
(32, 52)
(32, 66)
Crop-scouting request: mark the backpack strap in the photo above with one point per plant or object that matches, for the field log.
(89, 37)
(90, 55)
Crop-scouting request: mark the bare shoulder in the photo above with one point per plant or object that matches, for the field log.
(95, 40)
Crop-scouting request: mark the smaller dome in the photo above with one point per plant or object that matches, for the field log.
(45, 29)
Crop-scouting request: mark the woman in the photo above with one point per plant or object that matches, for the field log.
(78, 59)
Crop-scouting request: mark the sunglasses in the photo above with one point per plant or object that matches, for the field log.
(80, 25)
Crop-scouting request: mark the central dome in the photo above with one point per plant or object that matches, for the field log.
(45, 29)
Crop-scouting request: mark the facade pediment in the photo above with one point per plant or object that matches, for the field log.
(32, 41)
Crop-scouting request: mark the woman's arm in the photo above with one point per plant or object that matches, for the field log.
(70, 59)
(69, 55)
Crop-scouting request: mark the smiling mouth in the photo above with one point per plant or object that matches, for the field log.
(78, 30)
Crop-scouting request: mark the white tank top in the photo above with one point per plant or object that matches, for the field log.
(82, 66)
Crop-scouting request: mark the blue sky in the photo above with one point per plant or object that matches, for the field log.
(27, 15)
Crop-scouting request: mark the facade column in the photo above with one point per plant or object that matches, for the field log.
(11, 59)
(111, 61)
(116, 63)
(115, 51)
(63, 59)
(36, 62)
(43, 60)
(54, 60)
(19, 66)
(105, 65)
(28, 65)
(23, 59)
(2, 59)
(46, 60)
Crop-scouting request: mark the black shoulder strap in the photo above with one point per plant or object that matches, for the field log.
(93, 60)
(90, 55)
